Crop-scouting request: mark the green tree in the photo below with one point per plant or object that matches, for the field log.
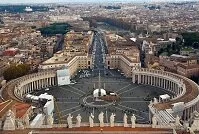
(15, 71)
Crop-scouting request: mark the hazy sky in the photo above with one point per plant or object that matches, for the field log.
(52, 1)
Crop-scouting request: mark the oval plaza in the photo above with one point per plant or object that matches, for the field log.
(112, 85)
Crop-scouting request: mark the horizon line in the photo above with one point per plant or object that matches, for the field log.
(109, 1)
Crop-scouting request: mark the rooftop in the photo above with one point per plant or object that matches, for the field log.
(191, 93)
(60, 58)
(21, 109)
(122, 46)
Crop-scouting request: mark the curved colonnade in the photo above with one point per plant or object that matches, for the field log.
(29, 83)
(184, 89)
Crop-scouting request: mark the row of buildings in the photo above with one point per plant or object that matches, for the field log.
(74, 55)
(122, 54)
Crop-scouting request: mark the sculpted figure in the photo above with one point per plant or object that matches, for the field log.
(155, 101)
(101, 119)
(69, 121)
(112, 120)
(177, 121)
(154, 121)
(195, 124)
(91, 118)
(133, 119)
(125, 120)
(79, 118)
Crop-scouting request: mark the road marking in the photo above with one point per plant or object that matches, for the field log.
(76, 89)
(69, 109)
(130, 89)
(71, 91)
(123, 88)
(142, 118)
(71, 112)
(133, 109)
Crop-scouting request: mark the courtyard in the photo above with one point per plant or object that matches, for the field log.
(77, 98)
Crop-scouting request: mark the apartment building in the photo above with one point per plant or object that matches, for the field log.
(123, 54)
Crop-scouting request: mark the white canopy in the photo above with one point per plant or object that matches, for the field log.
(164, 97)
(96, 92)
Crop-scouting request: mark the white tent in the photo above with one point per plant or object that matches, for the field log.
(164, 97)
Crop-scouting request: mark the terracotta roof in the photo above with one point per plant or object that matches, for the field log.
(5, 106)
(189, 66)
(190, 94)
(21, 109)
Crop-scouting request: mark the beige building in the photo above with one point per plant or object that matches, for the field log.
(60, 61)
(184, 65)
(123, 54)
(188, 70)
(75, 54)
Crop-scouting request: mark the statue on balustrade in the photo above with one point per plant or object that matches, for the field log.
(79, 119)
(133, 119)
(27, 120)
(154, 121)
(112, 120)
(101, 119)
(49, 119)
(20, 125)
(9, 123)
(195, 125)
(174, 131)
(69, 121)
(125, 120)
(177, 121)
(91, 118)
(155, 101)
(190, 130)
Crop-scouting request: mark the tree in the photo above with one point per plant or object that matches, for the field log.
(15, 71)
(190, 38)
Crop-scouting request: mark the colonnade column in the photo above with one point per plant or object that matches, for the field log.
(53, 81)
(47, 81)
(51, 78)
(41, 83)
(145, 77)
(139, 78)
(159, 83)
